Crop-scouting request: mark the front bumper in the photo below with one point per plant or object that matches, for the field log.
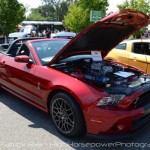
(117, 122)
(133, 134)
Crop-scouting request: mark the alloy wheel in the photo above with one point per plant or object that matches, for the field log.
(62, 115)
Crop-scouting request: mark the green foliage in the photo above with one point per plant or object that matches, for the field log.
(140, 5)
(11, 14)
(76, 18)
(95, 4)
(78, 15)
(78, 12)
(36, 15)
(51, 10)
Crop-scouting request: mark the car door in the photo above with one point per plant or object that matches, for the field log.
(137, 57)
(18, 77)
(119, 54)
(147, 56)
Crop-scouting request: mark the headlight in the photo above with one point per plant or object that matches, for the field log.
(113, 100)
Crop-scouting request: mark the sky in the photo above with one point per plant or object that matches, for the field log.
(113, 5)
(35, 3)
(30, 4)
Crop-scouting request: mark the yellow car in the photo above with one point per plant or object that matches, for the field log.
(134, 53)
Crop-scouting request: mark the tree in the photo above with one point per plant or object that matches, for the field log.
(37, 14)
(52, 10)
(141, 5)
(56, 9)
(11, 14)
(78, 16)
(95, 4)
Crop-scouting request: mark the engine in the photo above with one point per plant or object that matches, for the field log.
(112, 77)
(105, 74)
(102, 74)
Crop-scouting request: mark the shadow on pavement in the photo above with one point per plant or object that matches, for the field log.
(43, 120)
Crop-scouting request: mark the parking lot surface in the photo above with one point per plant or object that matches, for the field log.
(23, 126)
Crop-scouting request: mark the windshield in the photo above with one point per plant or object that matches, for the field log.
(46, 50)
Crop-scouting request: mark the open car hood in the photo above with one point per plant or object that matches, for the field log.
(104, 34)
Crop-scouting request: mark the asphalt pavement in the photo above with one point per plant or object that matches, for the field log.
(25, 127)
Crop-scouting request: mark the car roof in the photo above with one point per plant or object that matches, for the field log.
(136, 40)
(46, 39)
(63, 33)
(17, 34)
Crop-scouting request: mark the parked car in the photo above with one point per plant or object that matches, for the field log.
(70, 79)
(64, 34)
(2, 39)
(3, 47)
(135, 53)
(28, 29)
(147, 34)
(15, 35)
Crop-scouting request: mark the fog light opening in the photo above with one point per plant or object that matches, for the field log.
(118, 127)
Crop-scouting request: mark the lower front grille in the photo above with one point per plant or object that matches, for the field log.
(142, 101)
(142, 121)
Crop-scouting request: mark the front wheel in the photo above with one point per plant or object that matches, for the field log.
(67, 116)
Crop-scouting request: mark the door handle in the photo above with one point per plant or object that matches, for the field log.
(133, 58)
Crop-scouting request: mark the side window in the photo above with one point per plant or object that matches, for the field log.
(147, 48)
(141, 48)
(23, 50)
(13, 48)
(137, 48)
(121, 46)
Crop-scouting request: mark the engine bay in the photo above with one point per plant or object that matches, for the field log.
(112, 77)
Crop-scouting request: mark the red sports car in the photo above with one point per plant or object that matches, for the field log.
(71, 81)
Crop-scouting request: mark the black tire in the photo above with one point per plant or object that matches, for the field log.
(67, 116)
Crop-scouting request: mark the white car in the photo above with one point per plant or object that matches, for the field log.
(66, 35)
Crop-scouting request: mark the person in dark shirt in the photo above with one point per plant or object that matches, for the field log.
(48, 33)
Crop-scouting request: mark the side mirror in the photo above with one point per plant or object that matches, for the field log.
(23, 59)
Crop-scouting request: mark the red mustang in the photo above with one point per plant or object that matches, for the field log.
(71, 81)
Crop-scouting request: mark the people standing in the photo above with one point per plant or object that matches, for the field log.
(33, 34)
(48, 33)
